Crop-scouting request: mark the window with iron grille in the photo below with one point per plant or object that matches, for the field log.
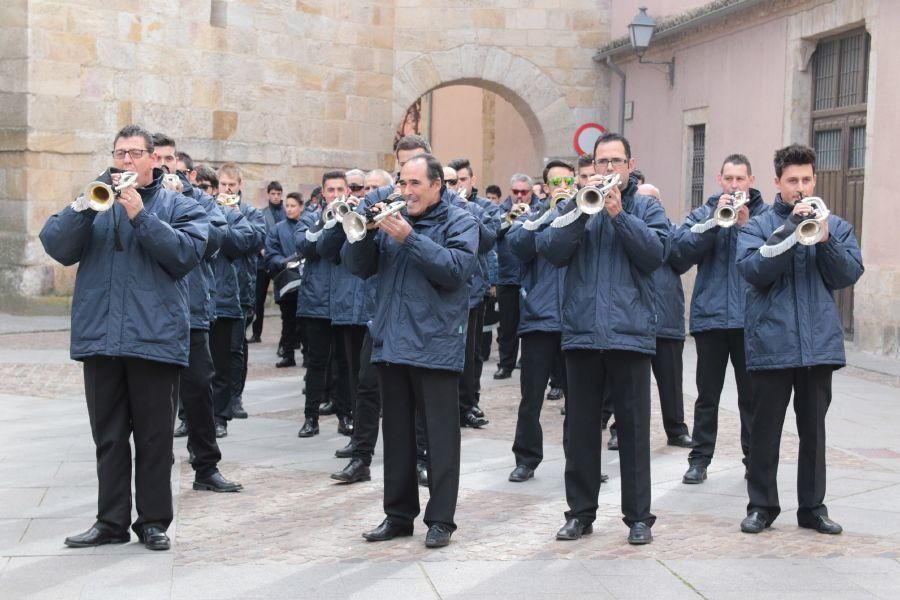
(857, 148)
(698, 158)
(840, 69)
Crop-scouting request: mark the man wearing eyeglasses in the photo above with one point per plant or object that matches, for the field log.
(131, 330)
(609, 323)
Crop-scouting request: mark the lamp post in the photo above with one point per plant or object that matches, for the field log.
(641, 30)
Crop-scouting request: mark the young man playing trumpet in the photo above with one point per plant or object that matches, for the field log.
(795, 339)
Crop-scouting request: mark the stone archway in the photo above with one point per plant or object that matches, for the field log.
(523, 84)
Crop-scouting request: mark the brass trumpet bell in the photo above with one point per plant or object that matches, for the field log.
(590, 199)
(356, 226)
(726, 216)
(227, 199)
(101, 196)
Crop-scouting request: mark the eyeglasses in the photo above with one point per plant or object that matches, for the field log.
(451, 181)
(603, 163)
(134, 154)
(520, 192)
(355, 188)
(555, 181)
(204, 186)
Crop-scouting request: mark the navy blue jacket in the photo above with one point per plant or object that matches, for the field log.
(509, 266)
(134, 301)
(488, 225)
(280, 246)
(608, 301)
(719, 290)
(422, 296)
(669, 294)
(314, 300)
(791, 317)
(240, 238)
(273, 214)
(246, 266)
(540, 304)
(201, 280)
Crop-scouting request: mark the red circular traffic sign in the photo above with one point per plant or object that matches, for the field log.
(586, 135)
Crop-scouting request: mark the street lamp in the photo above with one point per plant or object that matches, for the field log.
(641, 30)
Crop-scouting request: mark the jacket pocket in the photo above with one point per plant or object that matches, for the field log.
(90, 312)
(150, 318)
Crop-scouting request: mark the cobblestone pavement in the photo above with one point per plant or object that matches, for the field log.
(295, 533)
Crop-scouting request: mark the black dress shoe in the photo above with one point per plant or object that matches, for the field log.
(823, 524)
(388, 530)
(573, 529)
(326, 408)
(346, 451)
(97, 536)
(604, 478)
(503, 373)
(216, 483)
(519, 364)
(181, 430)
(682, 441)
(470, 420)
(562, 410)
(695, 474)
(555, 393)
(355, 471)
(639, 534)
(155, 538)
(221, 430)
(287, 361)
(521, 473)
(345, 426)
(476, 410)
(422, 475)
(613, 443)
(255, 339)
(310, 428)
(438, 536)
(238, 412)
(754, 523)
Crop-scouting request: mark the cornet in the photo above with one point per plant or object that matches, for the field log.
(171, 181)
(516, 211)
(228, 199)
(356, 226)
(339, 209)
(811, 230)
(101, 196)
(727, 214)
(590, 199)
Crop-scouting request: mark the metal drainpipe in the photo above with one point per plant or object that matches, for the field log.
(615, 69)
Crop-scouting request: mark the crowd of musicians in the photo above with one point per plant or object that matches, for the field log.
(389, 288)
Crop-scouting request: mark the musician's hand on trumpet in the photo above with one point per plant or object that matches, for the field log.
(743, 212)
(129, 197)
(805, 211)
(396, 226)
(613, 199)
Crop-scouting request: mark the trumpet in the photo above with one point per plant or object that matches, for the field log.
(228, 199)
(590, 199)
(559, 196)
(339, 209)
(727, 215)
(171, 181)
(811, 230)
(356, 226)
(101, 196)
(516, 211)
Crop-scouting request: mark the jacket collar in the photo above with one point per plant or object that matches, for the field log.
(781, 208)
(437, 212)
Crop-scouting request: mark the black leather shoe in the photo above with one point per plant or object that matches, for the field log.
(562, 410)
(238, 412)
(613, 443)
(422, 475)
(754, 523)
(639, 534)
(823, 524)
(155, 538)
(345, 426)
(326, 408)
(604, 478)
(355, 471)
(310, 428)
(287, 361)
(438, 536)
(476, 410)
(503, 373)
(682, 441)
(221, 430)
(388, 530)
(216, 483)
(181, 430)
(346, 451)
(555, 393)
(521, 473)
(573, 529)
(97, 536)
(470, 420)
(255, 339)
(695, 474)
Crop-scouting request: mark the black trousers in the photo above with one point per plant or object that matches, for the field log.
(812, 396)
(221, 341)
(434, 393)
(668, 368)
(288, 306)
(195, 393)
(538, 351)
(479, 357)
(262, 290)
(628, 376)
(240, 354)
(350, 344)
(367, 412)
(713, 349)
(468, 382)
(491, 318)
(320, 344)
(507, 330)
(125, 397)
